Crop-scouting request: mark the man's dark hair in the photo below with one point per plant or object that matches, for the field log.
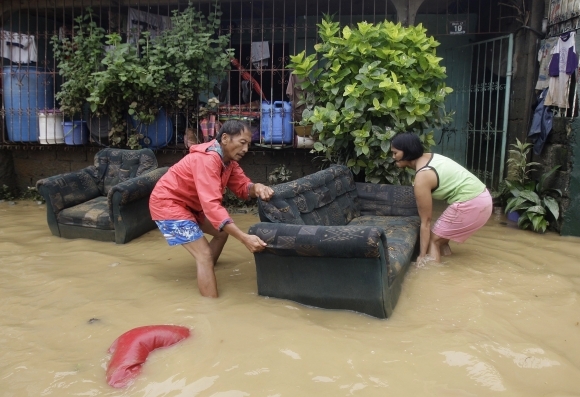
(409, 144)
(232, 128)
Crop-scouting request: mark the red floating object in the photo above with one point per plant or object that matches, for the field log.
(131, 349)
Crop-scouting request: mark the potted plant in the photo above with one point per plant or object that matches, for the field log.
(161, 75)
(375, 81)
(181, 61)
(533, 201)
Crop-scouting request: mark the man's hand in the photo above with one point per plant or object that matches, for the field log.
(262, 191)
(253, 243)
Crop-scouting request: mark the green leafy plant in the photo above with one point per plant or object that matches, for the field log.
(124, 86)
(32, 194)
(532, 199)
(375, 81)
(183, 58)
(6, 193)
(280, 174)
(77, 59)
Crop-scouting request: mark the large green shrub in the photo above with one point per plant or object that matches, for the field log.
(375, 81)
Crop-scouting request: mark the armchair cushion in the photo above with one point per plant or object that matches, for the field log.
(92, 213)
(323, 198)
(402, 233)
(113, 166)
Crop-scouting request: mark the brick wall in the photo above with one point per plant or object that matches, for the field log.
(32, 165)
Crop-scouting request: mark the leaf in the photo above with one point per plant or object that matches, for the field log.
(530, 196)
(552, 205)
(538, 209)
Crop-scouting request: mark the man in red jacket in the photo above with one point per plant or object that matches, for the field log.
(187, 200)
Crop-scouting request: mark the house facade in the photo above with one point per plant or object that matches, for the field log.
(490, 50)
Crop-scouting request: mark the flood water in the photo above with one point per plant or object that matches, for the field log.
(499, 317)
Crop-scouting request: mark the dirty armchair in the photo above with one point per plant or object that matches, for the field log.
(108, 201)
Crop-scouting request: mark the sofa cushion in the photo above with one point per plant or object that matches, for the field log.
(386, 200)
(93, 213)
(323, 198)
(402, 234)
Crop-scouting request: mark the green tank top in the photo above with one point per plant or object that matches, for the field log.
(454, 183)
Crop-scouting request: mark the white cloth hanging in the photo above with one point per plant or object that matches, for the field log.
(564, 62)
(544, 57)
(260, 54)
(18, 47)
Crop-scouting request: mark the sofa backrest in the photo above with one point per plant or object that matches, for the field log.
(327, 197)
(113, 166)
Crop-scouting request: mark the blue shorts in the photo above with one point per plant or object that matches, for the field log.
(179, 232)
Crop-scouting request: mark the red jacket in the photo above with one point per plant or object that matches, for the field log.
(194, 187)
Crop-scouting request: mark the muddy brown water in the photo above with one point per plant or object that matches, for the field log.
(499, 317)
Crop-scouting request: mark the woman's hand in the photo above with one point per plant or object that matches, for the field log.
(262, 191)
(253, 243)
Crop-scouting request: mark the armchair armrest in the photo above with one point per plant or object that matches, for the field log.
(386, 200)
(134, 188)
(67, 190)
(129, 205)
(322, 241)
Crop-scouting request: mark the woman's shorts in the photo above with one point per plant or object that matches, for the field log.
(460, 220)
(180, 232)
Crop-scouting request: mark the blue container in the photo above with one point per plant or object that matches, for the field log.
(157, 134)
(276, 123)
(26, 90)
(75, 132)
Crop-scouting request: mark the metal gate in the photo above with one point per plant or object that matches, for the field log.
(480, 75)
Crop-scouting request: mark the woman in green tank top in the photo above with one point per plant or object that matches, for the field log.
(438, 177)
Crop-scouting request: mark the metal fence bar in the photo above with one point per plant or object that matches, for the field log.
(288, 25)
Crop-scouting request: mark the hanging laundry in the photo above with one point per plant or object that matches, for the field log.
(260, 54)
(141, 21)
(544, 57)
(18, 47)
(563, 63)
(541, 123)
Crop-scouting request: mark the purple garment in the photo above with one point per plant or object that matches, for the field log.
(571, 58)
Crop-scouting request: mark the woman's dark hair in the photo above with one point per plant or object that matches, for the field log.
(409, 144)
(232, 128)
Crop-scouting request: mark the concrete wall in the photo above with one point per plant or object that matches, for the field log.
(31, 165)
(562, 149)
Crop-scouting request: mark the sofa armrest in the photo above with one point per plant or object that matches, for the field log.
(321, 241)
(386, 200)
(67, 190)
(135, 188)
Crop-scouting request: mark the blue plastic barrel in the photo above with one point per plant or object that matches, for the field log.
(75, 132)
(157, 134)
(276, 123)
(25, 90)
